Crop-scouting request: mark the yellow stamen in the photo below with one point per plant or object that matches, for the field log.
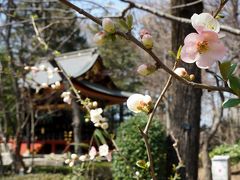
(202, 46)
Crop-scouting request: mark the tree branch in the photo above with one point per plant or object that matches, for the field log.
(175, 18)
(159, 63)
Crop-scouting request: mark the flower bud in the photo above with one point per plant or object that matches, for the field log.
(55, 69)
(137, 173)
(146, 69)
(74, 156)
(181, 72)
(27, 68)
(67, 161)
(57, 84)
(82, 158)
(94, 104)
(44, 85)
(104, 125)
(99, 38)
(191, 77)
(71, 164)
(147, 41)
(53, 86)
(108, 25)
(34, 69)
(143, 32)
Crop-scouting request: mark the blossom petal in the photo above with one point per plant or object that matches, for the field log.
(192, 38)
(217, 50)
(209, 36)
(204, 61)
(205, 21)
(133, 102)
(188, 54)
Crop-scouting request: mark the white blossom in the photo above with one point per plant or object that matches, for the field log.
(103, 150)
(66, 97)
(139, 103)
(82, 158)
(95, 115)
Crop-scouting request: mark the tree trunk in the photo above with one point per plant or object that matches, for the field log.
(185, 101)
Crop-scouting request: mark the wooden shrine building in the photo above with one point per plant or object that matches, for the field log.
(53, 118)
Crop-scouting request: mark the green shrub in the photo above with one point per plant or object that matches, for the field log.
(232, 150)
(132, 149)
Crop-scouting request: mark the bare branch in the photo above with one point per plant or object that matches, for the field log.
(187, 4)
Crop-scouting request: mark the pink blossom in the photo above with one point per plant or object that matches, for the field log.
(92, 153)
(204, 48)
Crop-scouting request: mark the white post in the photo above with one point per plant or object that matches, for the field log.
(221, 168)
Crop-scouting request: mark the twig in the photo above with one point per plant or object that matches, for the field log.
(159, 63)
(175, 146)
(186, 4)
(148, 148)
(222, 4)
(159, 100)
(145, 132)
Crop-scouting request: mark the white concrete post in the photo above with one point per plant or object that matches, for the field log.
(221, 168)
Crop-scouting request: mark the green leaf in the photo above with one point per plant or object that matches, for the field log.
(179, 52)
(220, 16)
(172, 54)
(231, 69)
(235, 84)
(224, 69)
(142, 164)
(129, 21)
(98, 135)
(123, 24)
(227, 69)
(231, 103)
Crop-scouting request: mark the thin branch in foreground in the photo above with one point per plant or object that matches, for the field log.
(175, 146)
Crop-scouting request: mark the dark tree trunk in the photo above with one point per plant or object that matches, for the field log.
(184, 101)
